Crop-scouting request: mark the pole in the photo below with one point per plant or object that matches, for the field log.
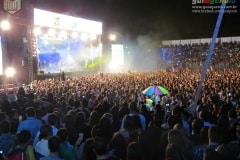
(210, 52)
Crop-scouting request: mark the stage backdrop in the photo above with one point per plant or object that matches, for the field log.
(58, 50)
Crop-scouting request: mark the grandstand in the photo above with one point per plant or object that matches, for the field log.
(191, 53)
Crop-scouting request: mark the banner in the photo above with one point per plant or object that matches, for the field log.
(12, 6)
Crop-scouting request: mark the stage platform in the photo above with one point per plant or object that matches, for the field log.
(87, 72)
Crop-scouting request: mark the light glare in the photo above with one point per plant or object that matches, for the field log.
(5, 25)
(112, 37)
(93, 37)
(74, 35)
(51, 32)
(37, 31)
(63, 34)
(10, 72)
(84, 36)
(113, 66)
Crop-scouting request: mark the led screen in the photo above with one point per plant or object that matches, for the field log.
(68, 55)
(117, 54)
(61, 21)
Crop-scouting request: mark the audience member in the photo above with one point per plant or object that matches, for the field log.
(19, 151)
(31, 123)
(54, 143)
(112, 107)
(6, 138)
(65, 152)
(41, 148)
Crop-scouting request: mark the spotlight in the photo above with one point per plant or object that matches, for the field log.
(10, 72)
(5, 25)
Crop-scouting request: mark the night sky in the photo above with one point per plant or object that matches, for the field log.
(164, 19)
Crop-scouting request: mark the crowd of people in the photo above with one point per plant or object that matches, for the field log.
(107, 117)
(225, 55)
